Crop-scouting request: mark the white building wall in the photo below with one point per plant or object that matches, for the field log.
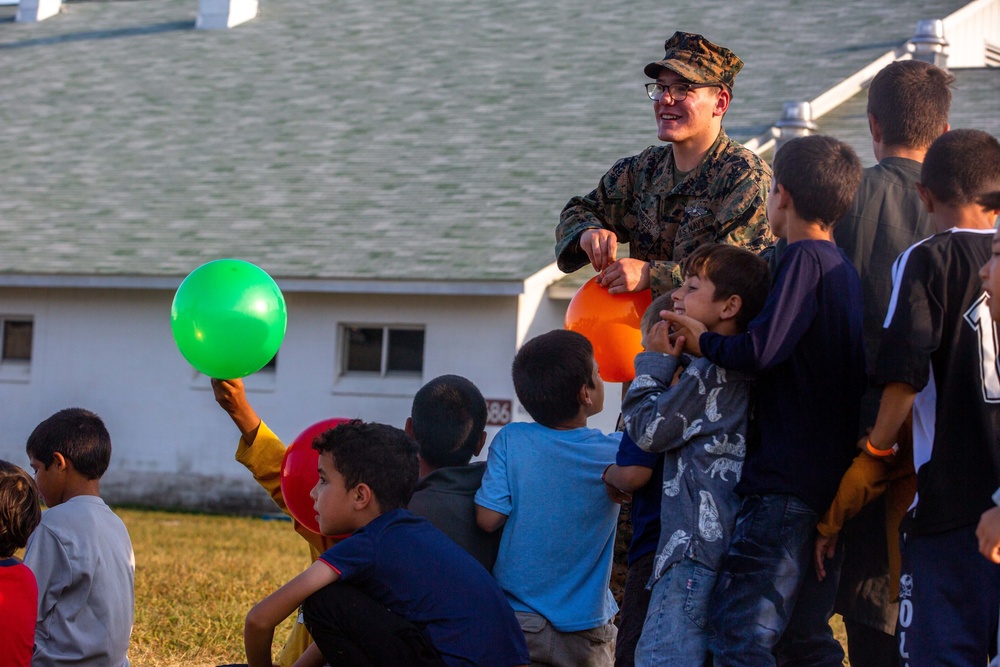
(112, 351)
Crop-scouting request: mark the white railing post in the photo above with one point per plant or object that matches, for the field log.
(29, 11)
(222, 14)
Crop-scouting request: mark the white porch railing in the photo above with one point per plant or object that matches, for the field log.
(971, 38)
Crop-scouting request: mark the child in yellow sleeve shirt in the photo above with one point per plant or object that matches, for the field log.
(262, 452)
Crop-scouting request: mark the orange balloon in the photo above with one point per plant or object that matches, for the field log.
(611, 324)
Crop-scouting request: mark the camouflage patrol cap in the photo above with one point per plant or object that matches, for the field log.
(697, 60)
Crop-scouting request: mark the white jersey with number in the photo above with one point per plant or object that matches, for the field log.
(939, 338)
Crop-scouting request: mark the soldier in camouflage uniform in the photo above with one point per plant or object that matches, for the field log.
(703, 187)
(700, 188)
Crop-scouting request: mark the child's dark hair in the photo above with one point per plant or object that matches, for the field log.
(79, 435)
(652, 314)
(381, 456)
(549, 371)
(990, 200)
(733, 271)
(821, 174)
(449, 415)
(961, 166)
(19, 508)
(910, 100)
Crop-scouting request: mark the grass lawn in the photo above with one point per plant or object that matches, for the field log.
(196, 576)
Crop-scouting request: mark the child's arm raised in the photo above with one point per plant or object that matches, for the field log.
(772, 336)
(258, 631)
(658, 339)
(232, 397)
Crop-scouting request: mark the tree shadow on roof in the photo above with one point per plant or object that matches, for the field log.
(118, 33)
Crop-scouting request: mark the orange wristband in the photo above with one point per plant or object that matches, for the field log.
(881, 453)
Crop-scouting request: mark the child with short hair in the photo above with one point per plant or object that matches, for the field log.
(938, 356)
(805, 351)
(447, 420)
(397, 591)
(988, 530)
(19, 515)
(908, 103)
(80, 554)
(700, 425)
(543, 486)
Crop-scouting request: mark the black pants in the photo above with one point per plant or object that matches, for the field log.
(634, 607)
(350, 628)
(868, 647)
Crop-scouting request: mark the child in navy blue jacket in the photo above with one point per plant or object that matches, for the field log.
(806, 353)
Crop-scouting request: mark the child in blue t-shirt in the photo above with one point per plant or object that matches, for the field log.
(397, 591)
(806, 353)
(543, 486)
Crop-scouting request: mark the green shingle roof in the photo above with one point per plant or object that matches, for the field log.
(361, 139)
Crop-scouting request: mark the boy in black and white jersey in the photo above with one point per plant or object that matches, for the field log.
(939, 357)
(988, 530)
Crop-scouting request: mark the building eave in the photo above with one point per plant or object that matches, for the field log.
(288, 285)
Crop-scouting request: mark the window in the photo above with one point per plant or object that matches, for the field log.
(16, 341)
(15, 348)
(383, 350)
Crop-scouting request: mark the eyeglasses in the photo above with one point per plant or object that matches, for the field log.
(676, 91)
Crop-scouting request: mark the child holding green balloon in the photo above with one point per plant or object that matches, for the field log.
(261, 452)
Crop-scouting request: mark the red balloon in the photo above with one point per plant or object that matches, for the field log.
(299, 474)
(611, 324)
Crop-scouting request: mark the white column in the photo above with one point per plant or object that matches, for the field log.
(29, 11)
(222, 14)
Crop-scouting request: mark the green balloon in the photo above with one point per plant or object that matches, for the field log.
(228, 318)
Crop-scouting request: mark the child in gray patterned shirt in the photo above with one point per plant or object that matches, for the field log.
(700, 425)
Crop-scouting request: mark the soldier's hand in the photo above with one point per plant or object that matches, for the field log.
(232, 397)
(601, 246)
(625, 275)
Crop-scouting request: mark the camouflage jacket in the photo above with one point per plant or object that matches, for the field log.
(722, 200)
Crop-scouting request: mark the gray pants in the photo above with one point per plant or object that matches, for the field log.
(585, 648)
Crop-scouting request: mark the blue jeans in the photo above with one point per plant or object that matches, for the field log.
(676, 628)
(756, 596)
